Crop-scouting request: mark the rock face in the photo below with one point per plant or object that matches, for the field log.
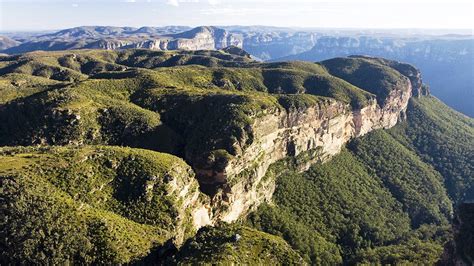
(324, 128)
(206, 38)
(193, 207)
(201, 38)
(113, 38)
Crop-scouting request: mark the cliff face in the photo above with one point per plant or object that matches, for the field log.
(201, 38)
(320, 130)
(206, 38)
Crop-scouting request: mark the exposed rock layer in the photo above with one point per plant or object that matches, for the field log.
(326, 126)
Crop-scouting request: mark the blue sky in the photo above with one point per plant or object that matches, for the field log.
(59, 14)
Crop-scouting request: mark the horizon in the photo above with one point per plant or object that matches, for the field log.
(394, 31)
(42, 15)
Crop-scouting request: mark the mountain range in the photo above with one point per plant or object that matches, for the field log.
(445, 59)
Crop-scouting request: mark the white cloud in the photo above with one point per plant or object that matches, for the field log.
(172, 2)
(178, 2)
(213, 2)
(130, 1)
(75, 5)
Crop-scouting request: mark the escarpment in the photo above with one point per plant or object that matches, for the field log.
(226, 115)
(319, 131)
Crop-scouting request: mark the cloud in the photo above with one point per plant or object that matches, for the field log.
(178, 2)
(172, 2)
(130, 1)
(75, 5)
(213, 2)
(226, 11)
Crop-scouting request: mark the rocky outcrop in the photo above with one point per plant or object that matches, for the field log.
(201, 38)
(207, 38)
(193, 210)
(325, 128)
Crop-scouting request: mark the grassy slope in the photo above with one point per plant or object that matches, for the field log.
(443, 138)
(88, 204)
(372, 75)
(229, 244)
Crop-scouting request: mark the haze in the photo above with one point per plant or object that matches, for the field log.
(47, 15)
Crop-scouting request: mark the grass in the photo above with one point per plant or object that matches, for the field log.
(226, 244)
(96, 204)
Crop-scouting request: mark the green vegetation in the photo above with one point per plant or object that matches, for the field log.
(15, 86)
(373, 75)
(464, 237)
(338, 201)
(181, 104)
(416, 185)
(382, 200)
(229, 244)
(90, 204)
(444, 139)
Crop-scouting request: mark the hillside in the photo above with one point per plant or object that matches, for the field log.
(210, 156)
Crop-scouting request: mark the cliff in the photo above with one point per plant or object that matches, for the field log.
(318, 131)
(242, 135)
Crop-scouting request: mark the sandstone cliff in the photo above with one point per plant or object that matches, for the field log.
(320, 130)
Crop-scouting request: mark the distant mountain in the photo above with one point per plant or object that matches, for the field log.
(110, 31)
(6, 43)
(447, 62)
(111, 38)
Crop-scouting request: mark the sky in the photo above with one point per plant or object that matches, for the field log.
(28, 15)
